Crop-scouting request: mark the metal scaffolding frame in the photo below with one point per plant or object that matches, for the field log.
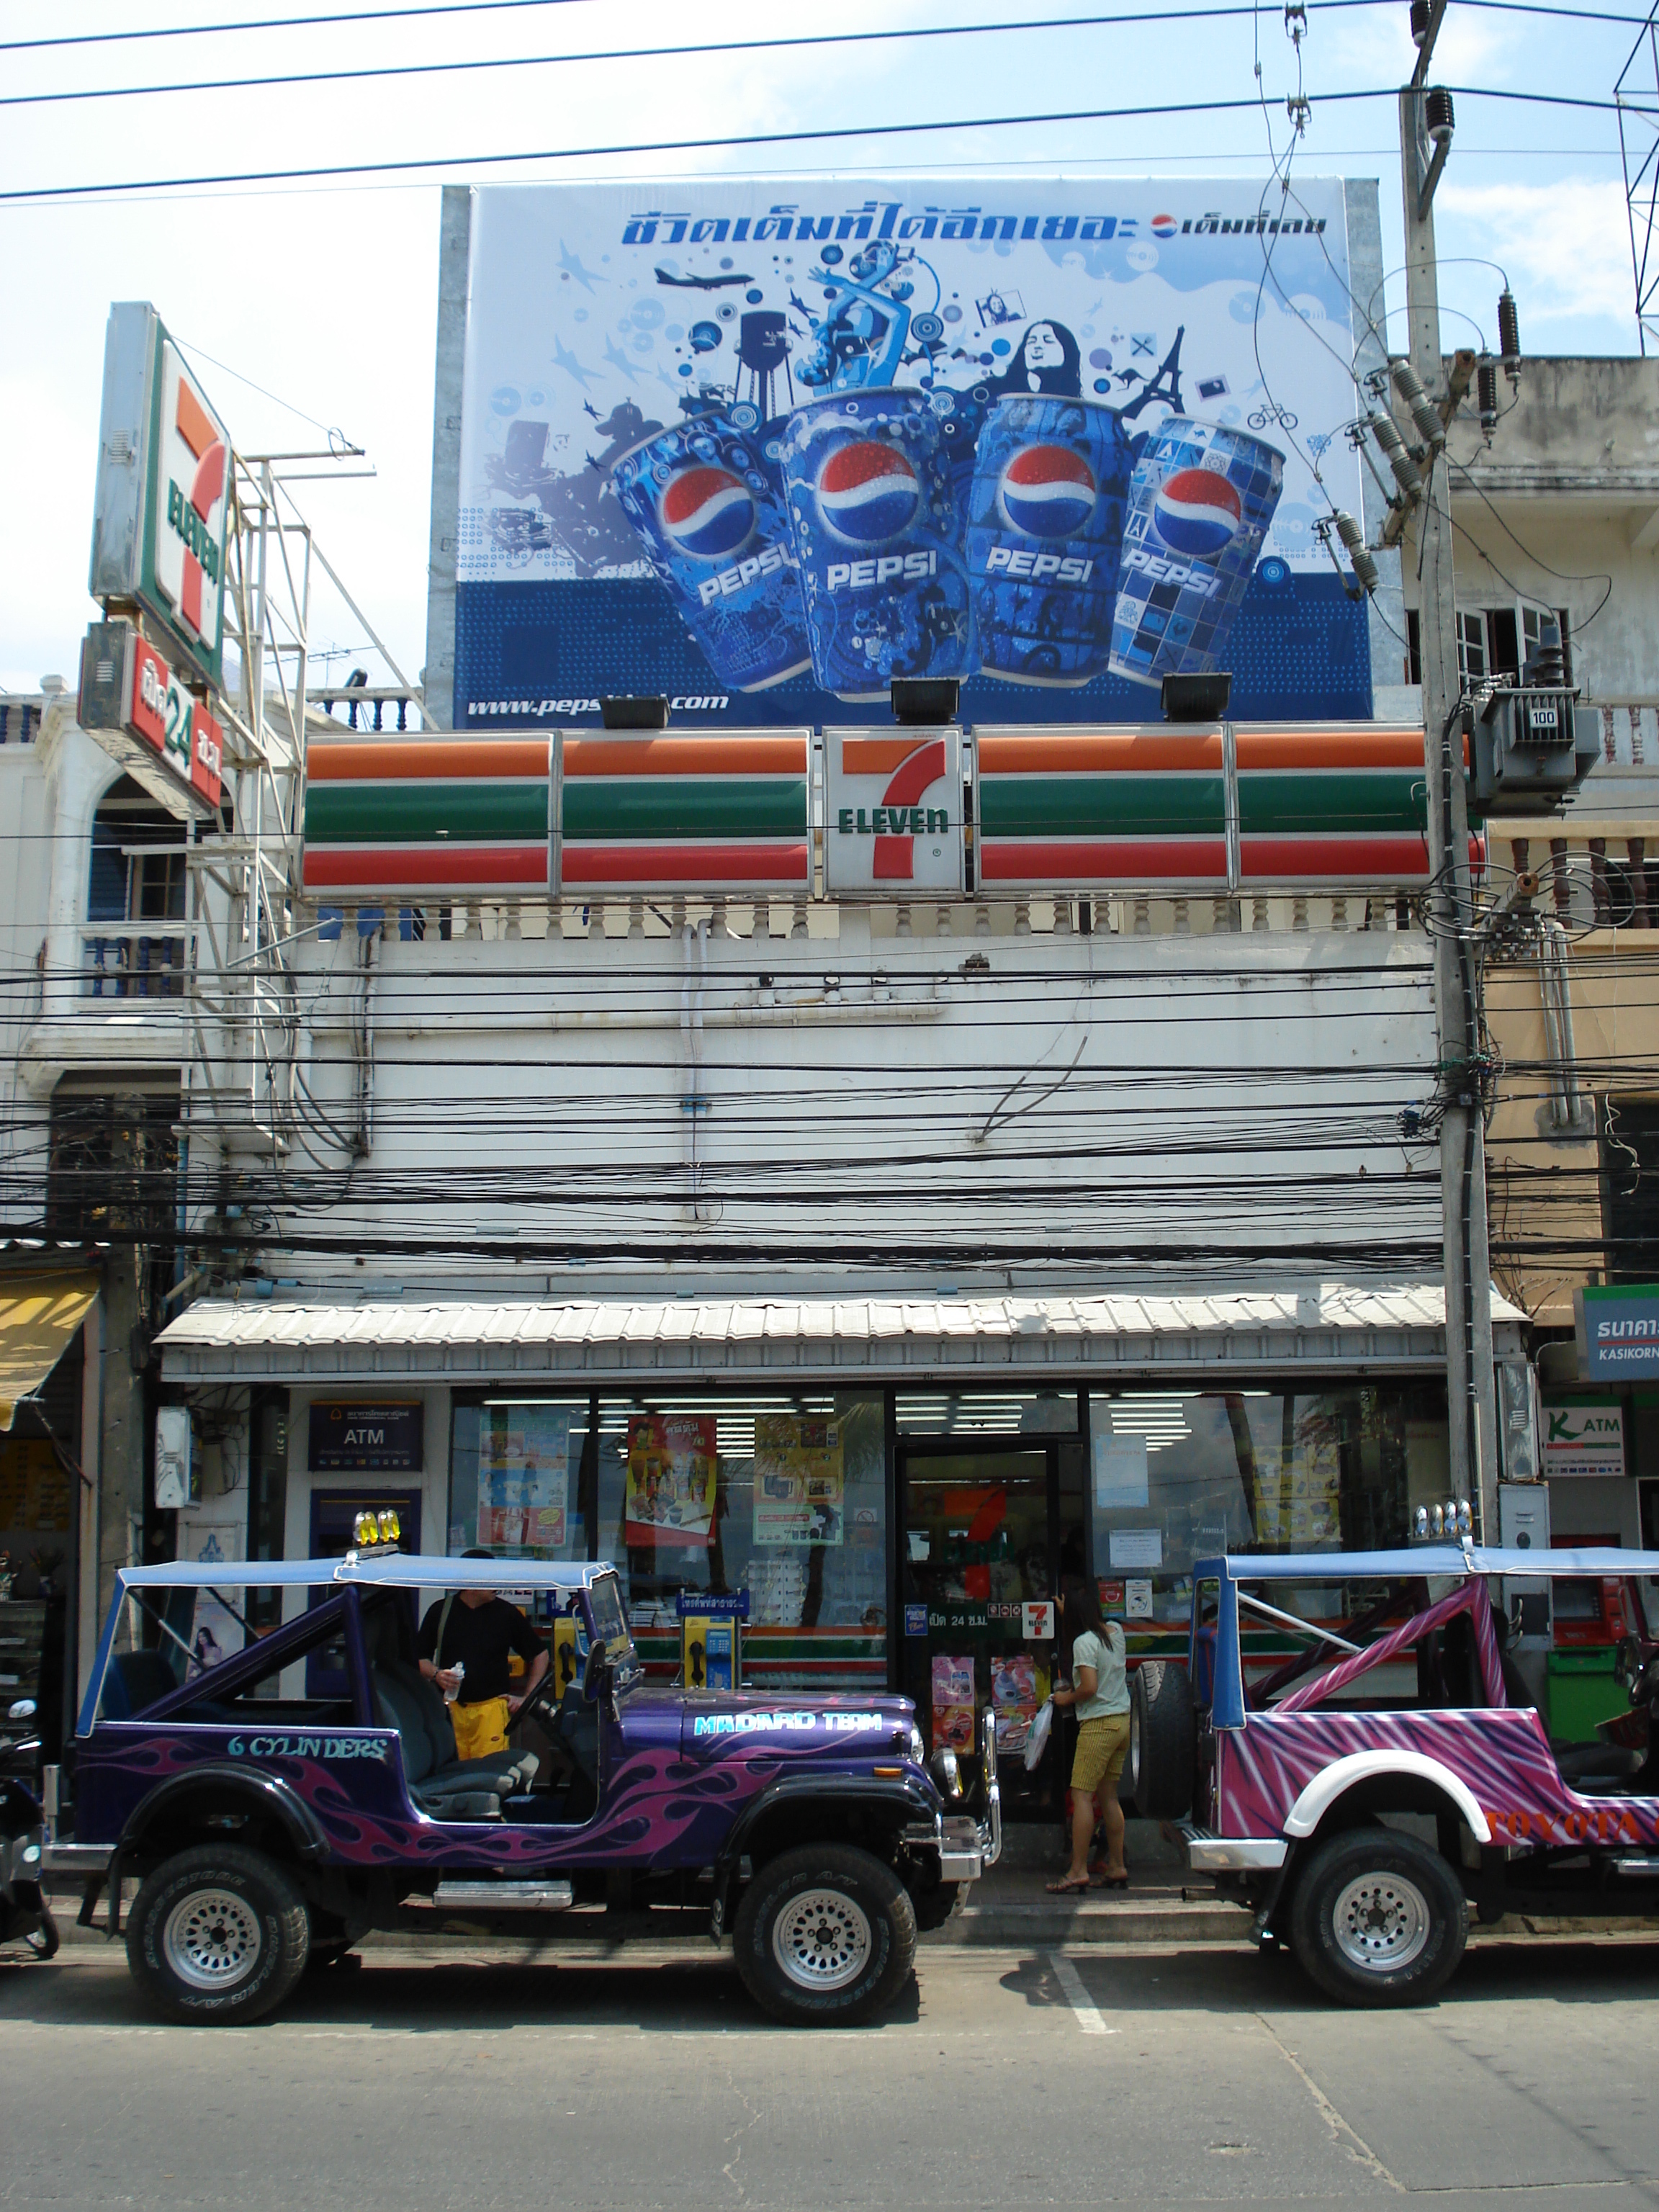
(1635, 96)
(243, 1008)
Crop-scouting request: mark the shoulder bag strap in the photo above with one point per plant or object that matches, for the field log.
(443, 1623)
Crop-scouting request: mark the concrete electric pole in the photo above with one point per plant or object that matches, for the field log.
(1424, 136)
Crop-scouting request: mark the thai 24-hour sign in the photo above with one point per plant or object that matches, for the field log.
(768, 445)
(164, 478)
(136, 705)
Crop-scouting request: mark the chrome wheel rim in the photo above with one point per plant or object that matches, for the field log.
(212, 1939)
(821, 1940)
(1381, 1923)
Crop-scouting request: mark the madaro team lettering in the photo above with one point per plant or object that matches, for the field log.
(770, 1723)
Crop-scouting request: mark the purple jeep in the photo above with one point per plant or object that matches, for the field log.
(1359, 1808)
(277, 1803)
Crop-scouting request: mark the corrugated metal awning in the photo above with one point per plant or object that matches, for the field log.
(1332, 1326)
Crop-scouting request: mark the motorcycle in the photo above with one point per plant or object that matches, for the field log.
(25, 1916)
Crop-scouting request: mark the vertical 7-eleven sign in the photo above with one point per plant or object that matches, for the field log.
(893, 819)
(188, 517)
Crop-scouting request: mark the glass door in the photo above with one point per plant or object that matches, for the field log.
(979, 1567)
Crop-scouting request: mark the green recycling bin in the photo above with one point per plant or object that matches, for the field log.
(1582, 1690)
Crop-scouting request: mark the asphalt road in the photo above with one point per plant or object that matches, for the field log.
(1163, 2077)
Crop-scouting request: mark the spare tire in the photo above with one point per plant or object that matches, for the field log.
(1163, 1740)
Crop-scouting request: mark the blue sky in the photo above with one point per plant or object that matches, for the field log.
(325, 295)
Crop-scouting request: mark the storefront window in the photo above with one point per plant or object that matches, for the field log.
(987, 1412)
(1175, 1475)
(782, 1497)
(515, 1477)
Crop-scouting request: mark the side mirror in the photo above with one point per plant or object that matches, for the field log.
(593, 1669)
(1626, 1666)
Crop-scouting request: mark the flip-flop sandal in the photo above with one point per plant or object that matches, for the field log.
(1109, 1881)
(1067, 1888)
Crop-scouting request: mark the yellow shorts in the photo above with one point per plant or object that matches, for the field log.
(480, 1729)
(1102, 1747)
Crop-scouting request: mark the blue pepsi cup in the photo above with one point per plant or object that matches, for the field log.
(1045, 527)
(875, 513)
(1200, 501)
(708, 506)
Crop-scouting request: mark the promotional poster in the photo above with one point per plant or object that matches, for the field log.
(800, 1490)
(673, 1459)
(765, 447)
(524, 1465)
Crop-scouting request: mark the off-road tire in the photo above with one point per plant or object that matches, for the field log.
(850, 1963)
(1414, 1921)
(229, 1969)
(1163, 1740)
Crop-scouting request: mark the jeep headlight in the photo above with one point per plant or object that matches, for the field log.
(945, 1772)
(918, 1748)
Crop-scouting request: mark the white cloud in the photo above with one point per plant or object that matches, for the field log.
(1566, 245)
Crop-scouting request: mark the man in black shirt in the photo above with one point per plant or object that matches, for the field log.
(465, 1643)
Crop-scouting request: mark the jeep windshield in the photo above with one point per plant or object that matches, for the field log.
(611, 1624)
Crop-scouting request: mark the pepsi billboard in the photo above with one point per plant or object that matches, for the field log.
(764, 448)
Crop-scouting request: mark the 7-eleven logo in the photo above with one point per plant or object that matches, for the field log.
(895, 811)
(190, 519)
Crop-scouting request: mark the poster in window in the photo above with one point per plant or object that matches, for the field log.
(952, 1683)
(1014, 1695)
(800, 1489)
(524, 1467)
(217, 1631)
(671, 1463)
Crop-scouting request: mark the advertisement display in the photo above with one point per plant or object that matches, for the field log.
(524, 1467)
(893, 811)
(951, 1680)
(764, 448)
(673, 1459)
(800, 1490)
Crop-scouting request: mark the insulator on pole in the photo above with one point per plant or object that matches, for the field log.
(1439, 116)
(1486, 386)
(1420, 14)
(1353, 539)
(1407, 475)
(1430, 428)
(1509, 334)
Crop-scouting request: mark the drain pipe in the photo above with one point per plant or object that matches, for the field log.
(694, 1104)
(1554, 988)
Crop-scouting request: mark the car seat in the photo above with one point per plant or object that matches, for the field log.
(406, 1701)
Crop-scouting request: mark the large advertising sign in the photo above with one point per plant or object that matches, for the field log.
(137, 708)
(162, 505)
(765, 447)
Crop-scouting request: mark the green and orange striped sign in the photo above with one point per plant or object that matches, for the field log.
(684, 813)
(1076, 810)
(1331, 806)
(1200, 809)
(437, 815)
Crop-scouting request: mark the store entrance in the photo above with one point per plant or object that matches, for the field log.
(987, 1535)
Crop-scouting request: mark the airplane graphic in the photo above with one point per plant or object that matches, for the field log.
(571, 266)
(699, 284)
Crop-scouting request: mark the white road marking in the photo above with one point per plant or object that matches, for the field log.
(1088, 2019)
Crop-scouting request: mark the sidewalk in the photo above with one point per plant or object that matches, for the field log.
(1011, 1905)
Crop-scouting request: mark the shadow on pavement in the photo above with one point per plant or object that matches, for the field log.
(391, 1992)
(1227, 1979)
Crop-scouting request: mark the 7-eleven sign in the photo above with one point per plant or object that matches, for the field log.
(188, 517)
(894, 818)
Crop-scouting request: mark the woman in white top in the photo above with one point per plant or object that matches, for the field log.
(1100, 1696)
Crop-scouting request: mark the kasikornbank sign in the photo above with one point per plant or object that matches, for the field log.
(893, 818)
(1617, 1326)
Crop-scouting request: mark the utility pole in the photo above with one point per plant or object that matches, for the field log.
(1470, 1395)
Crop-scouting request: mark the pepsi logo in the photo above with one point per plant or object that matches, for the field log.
(707, 513)
(1163, 226)
(1048, 491)
(1198, 512)
(867, 493)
